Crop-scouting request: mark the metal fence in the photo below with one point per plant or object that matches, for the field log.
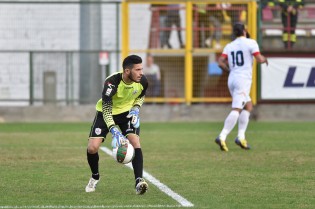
(54, 52)
(185, 38)
(59, 52)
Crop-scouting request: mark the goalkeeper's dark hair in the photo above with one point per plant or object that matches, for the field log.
(130, 61)
(238, 29)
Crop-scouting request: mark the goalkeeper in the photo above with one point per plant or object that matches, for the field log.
(117, 112)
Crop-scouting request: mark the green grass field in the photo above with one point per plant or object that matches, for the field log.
(44, 166)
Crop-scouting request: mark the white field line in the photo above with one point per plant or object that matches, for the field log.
(181, 200)
(88, 206)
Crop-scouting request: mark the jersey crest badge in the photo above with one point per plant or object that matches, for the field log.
(98, 131)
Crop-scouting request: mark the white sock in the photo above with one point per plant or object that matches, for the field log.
(242, 123)
(229, 124)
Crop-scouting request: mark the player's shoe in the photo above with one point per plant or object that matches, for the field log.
(242, 143)
(141, 187)
(91, 185)
(221, 144)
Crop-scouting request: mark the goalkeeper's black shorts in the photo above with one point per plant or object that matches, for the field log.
(100, 130)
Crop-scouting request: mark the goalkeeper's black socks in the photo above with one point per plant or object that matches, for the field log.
(137, 164)
(93, 162)
(96, 176)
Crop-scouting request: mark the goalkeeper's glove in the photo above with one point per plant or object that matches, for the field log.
(117, 138)
(134, 115)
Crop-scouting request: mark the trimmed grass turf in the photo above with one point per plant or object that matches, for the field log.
(45, 164)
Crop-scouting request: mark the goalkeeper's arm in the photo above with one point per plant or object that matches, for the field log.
(107, 106)
(138, 102)
(117, 136)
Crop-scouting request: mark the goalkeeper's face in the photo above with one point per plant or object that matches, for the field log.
(135, 74)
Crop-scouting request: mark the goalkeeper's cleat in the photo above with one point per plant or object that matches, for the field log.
(91, 185)
(242, 143)
(222, 144)
(141, 187)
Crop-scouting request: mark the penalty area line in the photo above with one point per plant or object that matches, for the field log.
(181, 200)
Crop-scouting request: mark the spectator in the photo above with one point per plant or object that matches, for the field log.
(203, 23)
(216, 18)
(267, 3)
(160, 11)
(289, 18)
(268, 9)
(234, 12)
(153, 75)
(173, 18)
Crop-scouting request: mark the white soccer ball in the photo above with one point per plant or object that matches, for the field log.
(124, 154)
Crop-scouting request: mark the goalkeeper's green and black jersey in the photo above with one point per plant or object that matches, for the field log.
(119, 97)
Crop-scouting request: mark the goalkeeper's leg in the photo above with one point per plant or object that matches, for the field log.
(93, 158)
(137, 164)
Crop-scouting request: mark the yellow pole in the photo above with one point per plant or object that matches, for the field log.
(252, 24)
(125, 30)
(188, 54)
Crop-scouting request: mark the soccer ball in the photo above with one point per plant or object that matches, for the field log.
(124, 154)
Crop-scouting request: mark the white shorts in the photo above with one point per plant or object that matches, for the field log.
(239, 90)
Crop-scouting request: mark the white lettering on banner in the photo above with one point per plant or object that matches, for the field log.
(288, 78)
